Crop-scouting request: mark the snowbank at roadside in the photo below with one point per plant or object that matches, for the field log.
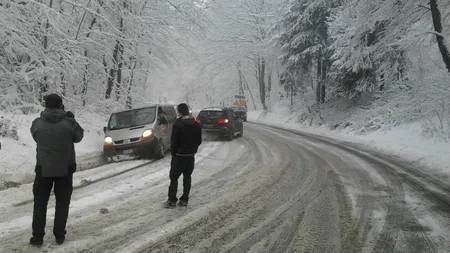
(404, 141)
(17, 157)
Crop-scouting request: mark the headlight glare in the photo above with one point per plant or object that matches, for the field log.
(108, 140)
(147, 133)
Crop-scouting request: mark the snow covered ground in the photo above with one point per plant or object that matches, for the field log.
(404, 141)
(318, 195)
(17, 157)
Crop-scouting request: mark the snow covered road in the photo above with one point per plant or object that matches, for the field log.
(270, 191)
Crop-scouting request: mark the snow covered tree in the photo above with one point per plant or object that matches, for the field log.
(437, 22)
(238, 42)
(304, 41)
(88, 51)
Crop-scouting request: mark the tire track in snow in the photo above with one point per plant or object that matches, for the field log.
(217, 231)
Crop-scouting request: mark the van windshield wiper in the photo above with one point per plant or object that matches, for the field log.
(133, 128)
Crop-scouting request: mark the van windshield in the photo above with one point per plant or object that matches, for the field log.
(132, 118)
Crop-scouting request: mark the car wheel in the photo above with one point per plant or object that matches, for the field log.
(230, 135)
(160, 151)
(240, 134)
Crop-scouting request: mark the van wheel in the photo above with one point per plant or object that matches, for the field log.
(241, 133)
(160, 151)
(107, 159)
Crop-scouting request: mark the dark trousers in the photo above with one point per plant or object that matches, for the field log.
(181, 165)
(42, 187)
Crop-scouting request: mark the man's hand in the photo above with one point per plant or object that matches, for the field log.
(70, 114)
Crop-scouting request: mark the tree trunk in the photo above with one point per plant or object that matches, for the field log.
(436, 15)
(120, 62)
(319, 79)
(44, 86)
(248, 88)
(293, 83)
(82, 19)
(241, 84)
(262, 83)
(119, 72)
(63, 81)
(112, 71)
(85, 82)
(323, 81)
(269, 84)
(129, 100)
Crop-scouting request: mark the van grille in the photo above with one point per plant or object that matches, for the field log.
(131, 141)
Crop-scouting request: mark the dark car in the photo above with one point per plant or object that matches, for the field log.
(241, 112)
(223, 122)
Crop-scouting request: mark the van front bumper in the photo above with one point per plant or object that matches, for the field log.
(142, 148)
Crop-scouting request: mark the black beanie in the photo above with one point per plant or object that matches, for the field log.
(53, 101)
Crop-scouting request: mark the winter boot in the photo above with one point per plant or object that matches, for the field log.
(183, 203)
(170, 204)
(35, 241)
(60, 240)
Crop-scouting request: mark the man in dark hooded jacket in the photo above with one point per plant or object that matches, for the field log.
(54, 134)
(185, 140)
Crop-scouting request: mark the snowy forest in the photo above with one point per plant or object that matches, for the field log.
(364, 64)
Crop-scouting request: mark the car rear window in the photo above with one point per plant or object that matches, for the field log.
(211, 114)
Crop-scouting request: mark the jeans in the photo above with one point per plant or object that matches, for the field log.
(42, 187)
(181, 165)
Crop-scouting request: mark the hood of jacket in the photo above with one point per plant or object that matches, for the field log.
(187, 120)
(53, 115)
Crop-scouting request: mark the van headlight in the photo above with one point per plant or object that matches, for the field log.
(147, 133)
(108, 141)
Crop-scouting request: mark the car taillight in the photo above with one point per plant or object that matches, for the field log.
(223, 121)
(198, 121)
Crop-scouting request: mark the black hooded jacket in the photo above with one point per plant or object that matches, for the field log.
(55, 134)
(186, 137)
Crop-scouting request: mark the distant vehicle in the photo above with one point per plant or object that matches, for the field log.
(240, 111)
(240, 101)
(142, 132)
(223, 122)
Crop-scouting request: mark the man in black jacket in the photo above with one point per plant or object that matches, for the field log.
(54, 134)
(185, 140)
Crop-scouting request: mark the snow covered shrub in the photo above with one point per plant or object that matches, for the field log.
(8, 129)
(436, 120)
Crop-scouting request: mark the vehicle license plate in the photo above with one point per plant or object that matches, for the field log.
(127, 152)
(208, 126)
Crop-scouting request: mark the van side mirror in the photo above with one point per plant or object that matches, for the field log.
(104, 130)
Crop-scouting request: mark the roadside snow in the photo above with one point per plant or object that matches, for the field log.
(404, 141)
(17, 158)
(106, 193)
